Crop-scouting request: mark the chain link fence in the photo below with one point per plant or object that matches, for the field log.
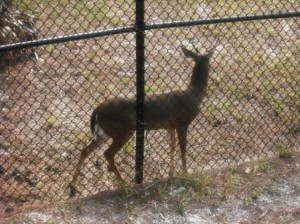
(251, 109)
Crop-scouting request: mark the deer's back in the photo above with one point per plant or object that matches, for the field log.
(170, 110)
(162, 111)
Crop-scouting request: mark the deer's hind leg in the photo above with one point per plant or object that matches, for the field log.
(117, 144)
(99, 138)
(83, 155)
(182, 138)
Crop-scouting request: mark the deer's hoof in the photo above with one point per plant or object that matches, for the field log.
(73, 190)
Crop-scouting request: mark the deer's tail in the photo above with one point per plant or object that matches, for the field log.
(94, 119)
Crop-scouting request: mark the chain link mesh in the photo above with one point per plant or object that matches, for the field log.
(251, 109)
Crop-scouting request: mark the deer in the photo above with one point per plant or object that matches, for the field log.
(173, 111)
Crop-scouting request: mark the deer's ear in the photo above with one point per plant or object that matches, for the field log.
(188, 53)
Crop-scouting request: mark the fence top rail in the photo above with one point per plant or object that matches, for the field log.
(66, 38)
(217, 20)
(174, 24)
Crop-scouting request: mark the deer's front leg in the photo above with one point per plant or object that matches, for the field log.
(172, 150)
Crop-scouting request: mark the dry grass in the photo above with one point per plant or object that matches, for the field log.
(250, 193)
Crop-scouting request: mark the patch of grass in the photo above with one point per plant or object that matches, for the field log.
(91, 55)
(278, 107)
(90, 77)
(181, 205)
(196, 182)
(83, 137)
(124, 189)
(211, 113)
(151, 89)
(231, 182)
(160, 193)
(126, 80)
(55, 170)
(70, 11)
(262, 166)
(295, 129)
(227, 106)
(128, 148)
(59, 158)
(40, 185)
(26, 6)
(218, 81)
(177, 189)
(283, 151)
(237, 115)
(115, 20)
(2, 128)
(253, 196)
(215, 111)
(50, 48)
(239, 92)
(51, 120)
(267, 84)
(271, 31)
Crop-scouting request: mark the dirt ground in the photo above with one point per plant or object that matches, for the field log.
(264, 191)
(251, 110)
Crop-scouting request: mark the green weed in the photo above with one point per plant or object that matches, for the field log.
(181, 205)
(230, 184)
(91, 55)
(211, 113)
(83, 137)
(263, 166)
(253, 196)
(51, 120)
(197, 182)
(283, 151)
(278, 107)
(128, 147)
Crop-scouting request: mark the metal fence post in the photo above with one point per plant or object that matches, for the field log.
(140, 93)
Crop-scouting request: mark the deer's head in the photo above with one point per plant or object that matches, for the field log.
(200, 59)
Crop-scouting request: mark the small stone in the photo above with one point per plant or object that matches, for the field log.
(248, 170)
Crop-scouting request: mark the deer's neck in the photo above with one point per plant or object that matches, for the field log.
(199, 79)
